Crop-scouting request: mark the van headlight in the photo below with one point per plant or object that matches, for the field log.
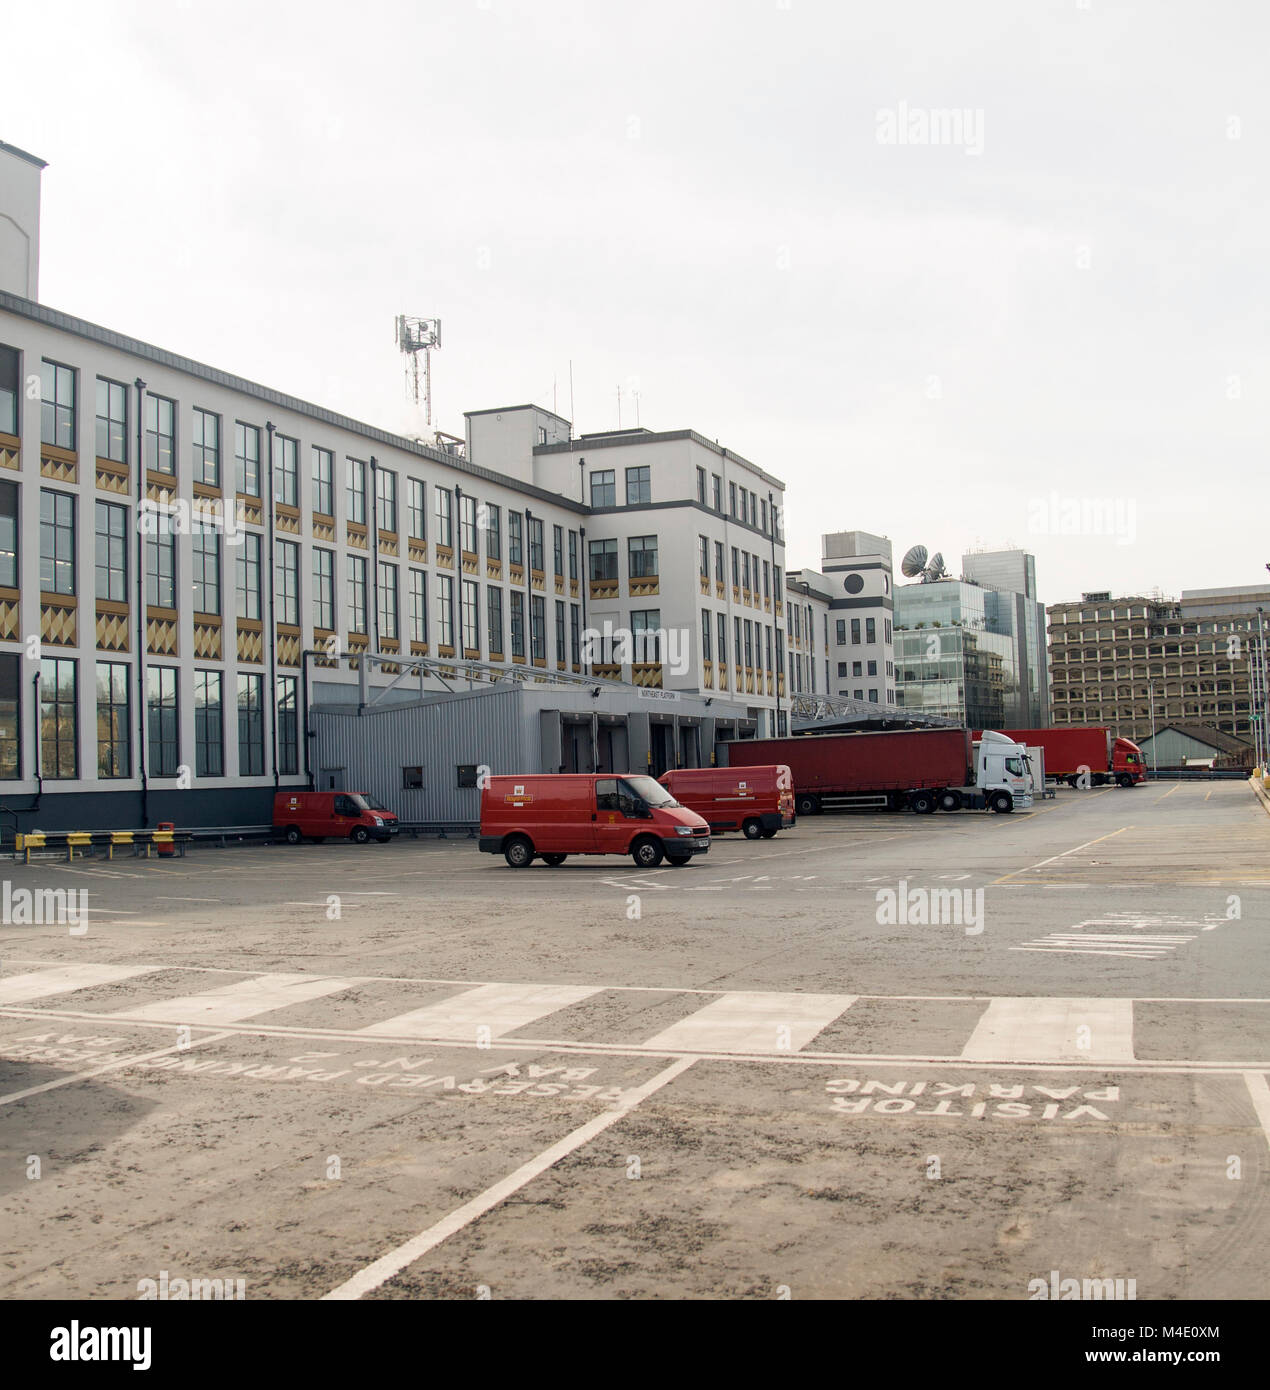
(379, 820)
(683, 830)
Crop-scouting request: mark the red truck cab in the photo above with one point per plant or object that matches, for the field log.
(550, 816)
(322, 816)
(1127, 763)
(758, 801)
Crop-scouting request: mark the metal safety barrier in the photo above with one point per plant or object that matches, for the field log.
(91, 840)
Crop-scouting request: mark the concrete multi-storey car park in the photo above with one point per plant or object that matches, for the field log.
(164, 630)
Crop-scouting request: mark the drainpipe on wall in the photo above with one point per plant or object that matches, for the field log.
(584, 584)
(141, 607)
(39, 765)
(777, 597)
(527, 554)
(273, 616)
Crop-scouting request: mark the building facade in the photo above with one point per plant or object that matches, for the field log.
(857, 566)
(1143, 661)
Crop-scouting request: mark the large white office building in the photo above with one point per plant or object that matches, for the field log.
(188, 560)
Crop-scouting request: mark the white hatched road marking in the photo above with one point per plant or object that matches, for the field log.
(500, 1008)
(1050, 1030)
(17, 989)
(232, 1003)
(754, 1022)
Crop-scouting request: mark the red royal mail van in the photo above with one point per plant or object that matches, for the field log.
(554, 815)
(756, 800)
(331, 816)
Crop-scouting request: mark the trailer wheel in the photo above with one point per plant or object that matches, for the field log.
(555, 860)
(360, 835)
(1002, 802)
(922, 802)
(519, 852)
(292, 835)
(808, 805)
(1073, 782)
(950, 801)
(647, 852)
(753, 830)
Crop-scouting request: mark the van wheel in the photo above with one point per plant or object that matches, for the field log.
(950, 801)
(647, 853)
(768, 834)
(519, 852)
(922, 802)
(1001, 803)
(555, 860)
(677, 861)
(293, 836)
(360, 835)
(808, 805)
(753, 830)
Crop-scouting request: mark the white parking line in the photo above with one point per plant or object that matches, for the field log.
(754, 1022)
(18, 989)
(1053, 1030)
(500, 1008)
(396, 1260)
(232, 1003)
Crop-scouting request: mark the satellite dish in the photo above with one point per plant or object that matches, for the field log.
(912, 563)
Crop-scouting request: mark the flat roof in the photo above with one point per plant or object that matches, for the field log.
(512, 409)
(81, 328)
(22, 154)
(647, 436)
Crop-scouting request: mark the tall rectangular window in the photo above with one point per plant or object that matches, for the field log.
(287, 582)
(603, 559)
(471, 615)
(638, 486)
(855, 631)
(356, 593)
(323, 462)
(723, 640)
(57, 404)
(112, 421)
(247, 459)
(160, 435)
(535, 544)
(10, 388)
(59, 718)
(386, 499)
(646, 632)
(445, 610)
(575, 634)
(560, 630)
(518, 625)
(162, 721)
(736, 567)
(445, 515)
(767, 579)
(870, 630)
(286, 471)
(387, 600)
(557, 550)
(323, 589)
(718, 561)
(494, 619)
(205, 560)
(114, 758)
(707, 634)
(161, 563)
(538, 626)
(251, 726)
(112, 552)
(603, 488)
(641, 552)
(467, 523)
(9, 534)
(701, 486)
(716, 492)
(286, 693)
(57, 542)
(732, 498)
(209, 725)
(247, 582)
(494, 533)
(10, 716)
(573, 555)
(515, 552)
(206, 445)
(417, 508)
(703, 557)
(418, 606)
(355, 491)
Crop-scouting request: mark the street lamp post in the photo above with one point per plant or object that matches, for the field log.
(1151, 697)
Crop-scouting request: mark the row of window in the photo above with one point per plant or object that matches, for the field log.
(743, 505)
(59, 733)
(870, 631)
(857, 669)
(750, 640)
(745, 567)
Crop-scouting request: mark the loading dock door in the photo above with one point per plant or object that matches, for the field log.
(662, 748)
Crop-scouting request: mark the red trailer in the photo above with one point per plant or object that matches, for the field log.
(1092, 752)
(919, 768)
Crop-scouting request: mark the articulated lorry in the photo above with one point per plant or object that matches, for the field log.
(1085, 755)
(923, 769)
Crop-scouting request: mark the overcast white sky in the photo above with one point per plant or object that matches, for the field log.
(692, 200)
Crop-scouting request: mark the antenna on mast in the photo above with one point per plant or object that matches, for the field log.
(415, 336)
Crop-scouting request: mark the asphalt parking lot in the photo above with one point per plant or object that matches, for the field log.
(877, 1056)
